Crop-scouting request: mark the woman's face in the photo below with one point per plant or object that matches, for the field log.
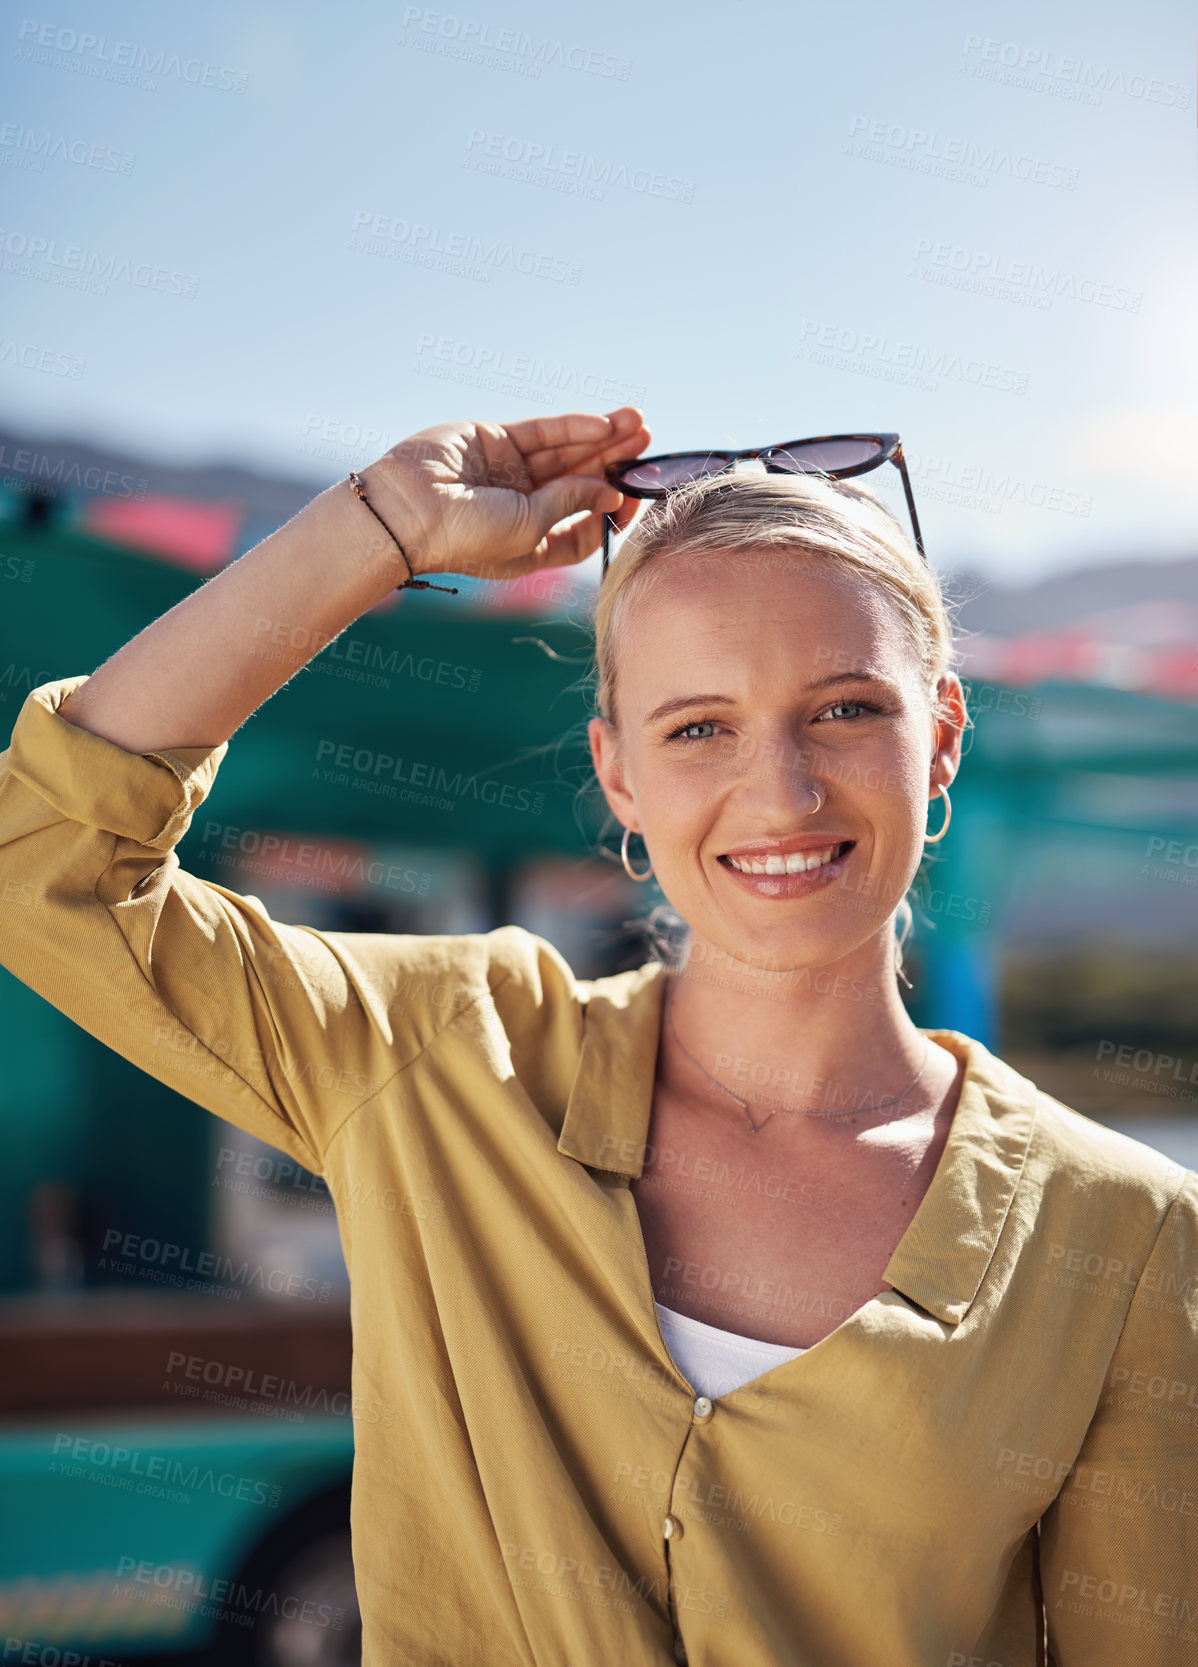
(744, 687)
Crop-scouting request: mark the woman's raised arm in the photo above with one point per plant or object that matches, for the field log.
(283, 1030)
(471, 498)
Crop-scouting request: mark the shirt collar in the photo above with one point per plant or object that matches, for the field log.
(942, 1258)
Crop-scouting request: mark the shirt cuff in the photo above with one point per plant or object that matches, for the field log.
(148, 797)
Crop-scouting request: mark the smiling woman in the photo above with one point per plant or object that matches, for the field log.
(915, 1301)
(892, 654)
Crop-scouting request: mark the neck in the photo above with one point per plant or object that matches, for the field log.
(815, 1038)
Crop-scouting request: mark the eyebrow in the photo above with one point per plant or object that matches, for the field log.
(682, 702)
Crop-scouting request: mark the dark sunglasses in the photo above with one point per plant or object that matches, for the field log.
(835, 455)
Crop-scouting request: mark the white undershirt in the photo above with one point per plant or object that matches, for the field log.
(715, 1362)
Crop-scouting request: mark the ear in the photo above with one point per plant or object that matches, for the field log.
(948, 731)
(609, 767)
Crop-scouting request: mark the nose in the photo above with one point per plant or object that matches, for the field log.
(776, 783)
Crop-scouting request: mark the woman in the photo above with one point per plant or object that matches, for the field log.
(915, 1308)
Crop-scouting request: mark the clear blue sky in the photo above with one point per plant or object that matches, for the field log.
(749, 218)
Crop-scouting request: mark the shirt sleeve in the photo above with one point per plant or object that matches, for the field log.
(1119, 1545)
(283, 1030)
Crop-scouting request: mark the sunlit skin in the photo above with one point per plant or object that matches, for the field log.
(803, 987)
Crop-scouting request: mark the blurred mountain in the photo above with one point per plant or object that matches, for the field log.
(1065, 597)
(1082, 594)
(77, 468)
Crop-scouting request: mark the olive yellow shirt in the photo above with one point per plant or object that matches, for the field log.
(992, 1464)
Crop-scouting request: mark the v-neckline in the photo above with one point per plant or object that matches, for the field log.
(911, 1234)
(646, 1291)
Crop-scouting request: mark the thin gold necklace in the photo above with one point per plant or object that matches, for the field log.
(787, 1111)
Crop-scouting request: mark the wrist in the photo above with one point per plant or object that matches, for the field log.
(392, 500)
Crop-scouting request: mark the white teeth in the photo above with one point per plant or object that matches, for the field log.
(797, 862)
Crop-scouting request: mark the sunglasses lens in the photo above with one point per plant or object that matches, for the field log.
(815, 455)
(670, 472)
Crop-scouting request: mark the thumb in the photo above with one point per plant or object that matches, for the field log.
(568, 494)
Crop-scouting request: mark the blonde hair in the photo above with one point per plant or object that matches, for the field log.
(788, 515)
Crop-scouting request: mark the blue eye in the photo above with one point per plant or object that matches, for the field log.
(686, 736)
(683, 734)
(858, 705)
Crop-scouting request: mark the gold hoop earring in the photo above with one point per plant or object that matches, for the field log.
(948, 816)
(628, 868)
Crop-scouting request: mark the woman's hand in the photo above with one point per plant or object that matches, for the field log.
(485, 499)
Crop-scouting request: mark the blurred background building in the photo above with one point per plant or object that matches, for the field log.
(246, 250)
(1056, 925)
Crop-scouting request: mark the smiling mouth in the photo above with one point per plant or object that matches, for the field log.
(793, 862)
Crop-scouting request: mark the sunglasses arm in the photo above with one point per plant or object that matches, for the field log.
(902, 468)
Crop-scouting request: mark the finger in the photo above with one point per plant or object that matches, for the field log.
(628, 438)
(568, 546)
(625, 424)
(564, 546)
(565, 496)
(574, 460)
(575, 428)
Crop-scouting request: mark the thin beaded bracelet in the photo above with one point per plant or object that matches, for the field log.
(411, 582)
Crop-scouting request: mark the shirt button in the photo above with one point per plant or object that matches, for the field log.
(679, 1650)
(703, 1408)
(671, 1528)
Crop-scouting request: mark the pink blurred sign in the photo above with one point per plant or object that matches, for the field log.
(187, 531)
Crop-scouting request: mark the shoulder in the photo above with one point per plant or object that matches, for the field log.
(1086, 1154)
(526, 971)
(1097, 1192)
(547, 1013)
(520, 969)
(1110, 1215)
(431, 978)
